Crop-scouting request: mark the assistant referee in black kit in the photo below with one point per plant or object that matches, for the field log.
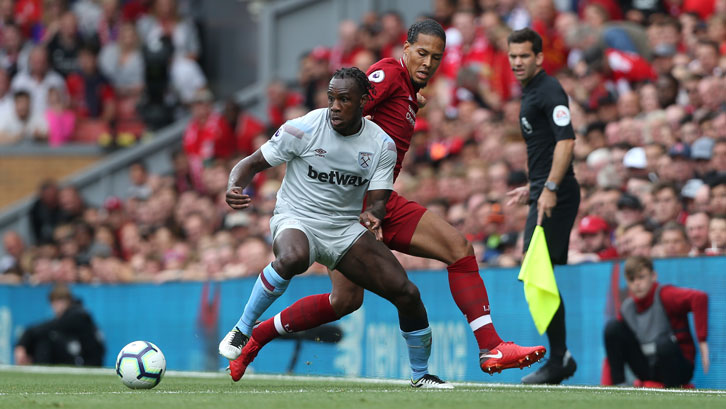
(553, 193)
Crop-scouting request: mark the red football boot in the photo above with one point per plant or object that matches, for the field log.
(509, 355)
(238, 367)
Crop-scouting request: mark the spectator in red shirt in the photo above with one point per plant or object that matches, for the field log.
(610, 7)
(497, 72)
(244, 125)
(472, 48)
(555, 51)
(279, 98)
(595, 234)
(704, 8)
(622, 68)
(132, 10)
(651, 334)
(92, 96)
(479, 55)
(208, 135)
(27, 14)
(343, 53)
(314, 77)
(394, 34)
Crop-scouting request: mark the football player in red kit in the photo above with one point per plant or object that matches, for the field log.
(408, 227)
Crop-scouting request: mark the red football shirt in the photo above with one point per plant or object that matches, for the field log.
(457, 57)
(677, 303)
(553, 46)
(393, 104)
(248, 127)
(629, 66)
(276, 114)
(212, 139)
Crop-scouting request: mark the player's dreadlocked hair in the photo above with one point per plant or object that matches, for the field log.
(359, 77)
(428, 27)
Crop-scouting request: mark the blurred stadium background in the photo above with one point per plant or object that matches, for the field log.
(104, 187)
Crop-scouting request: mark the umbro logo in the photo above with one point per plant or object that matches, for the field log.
(320, 152)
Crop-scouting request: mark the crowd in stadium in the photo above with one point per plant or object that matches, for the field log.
(93, 71)
(647, 94)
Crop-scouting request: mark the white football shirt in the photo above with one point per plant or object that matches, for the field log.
(328, 174)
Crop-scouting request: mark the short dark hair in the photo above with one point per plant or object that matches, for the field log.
(140, 164)
(634, 264)
(427, 26)
(48, 183)
(709, 43)
(672, 226)
(85, 226)
(666, 21)
(717, 181)
(21, 93)
(635, 225)
(91, 47)
(358, 76)
(60, 292)
(526, 35)
(665, 185)
(393, 13)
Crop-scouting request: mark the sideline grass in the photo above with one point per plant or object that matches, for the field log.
(102, 389)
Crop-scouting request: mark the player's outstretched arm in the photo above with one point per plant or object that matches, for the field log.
(241, 176)
(375, 211)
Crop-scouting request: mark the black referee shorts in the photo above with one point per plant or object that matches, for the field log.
(558, 226)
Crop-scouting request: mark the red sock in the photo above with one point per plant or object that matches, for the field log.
(470, 296)
(306, 313)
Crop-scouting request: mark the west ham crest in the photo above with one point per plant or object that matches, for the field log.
(364, 159)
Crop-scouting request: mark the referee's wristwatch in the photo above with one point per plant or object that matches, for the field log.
(551, 186)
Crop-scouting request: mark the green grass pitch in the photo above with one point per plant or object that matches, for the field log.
(79, 388)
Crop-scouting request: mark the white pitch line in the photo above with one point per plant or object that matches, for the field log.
(174, 392)
(299, 378)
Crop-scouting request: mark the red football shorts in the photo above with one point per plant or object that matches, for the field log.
(402, 217)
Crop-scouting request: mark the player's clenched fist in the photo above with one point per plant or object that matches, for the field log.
(236, 199)
(372, 223)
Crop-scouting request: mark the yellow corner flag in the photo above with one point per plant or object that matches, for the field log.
(540, 287)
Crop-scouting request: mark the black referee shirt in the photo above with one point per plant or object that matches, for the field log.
(545, 119)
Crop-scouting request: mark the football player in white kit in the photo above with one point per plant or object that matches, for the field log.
(335, 159)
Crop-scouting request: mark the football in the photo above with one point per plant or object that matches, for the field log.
(141, 365)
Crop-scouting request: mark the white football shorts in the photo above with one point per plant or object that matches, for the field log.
(328, 241)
